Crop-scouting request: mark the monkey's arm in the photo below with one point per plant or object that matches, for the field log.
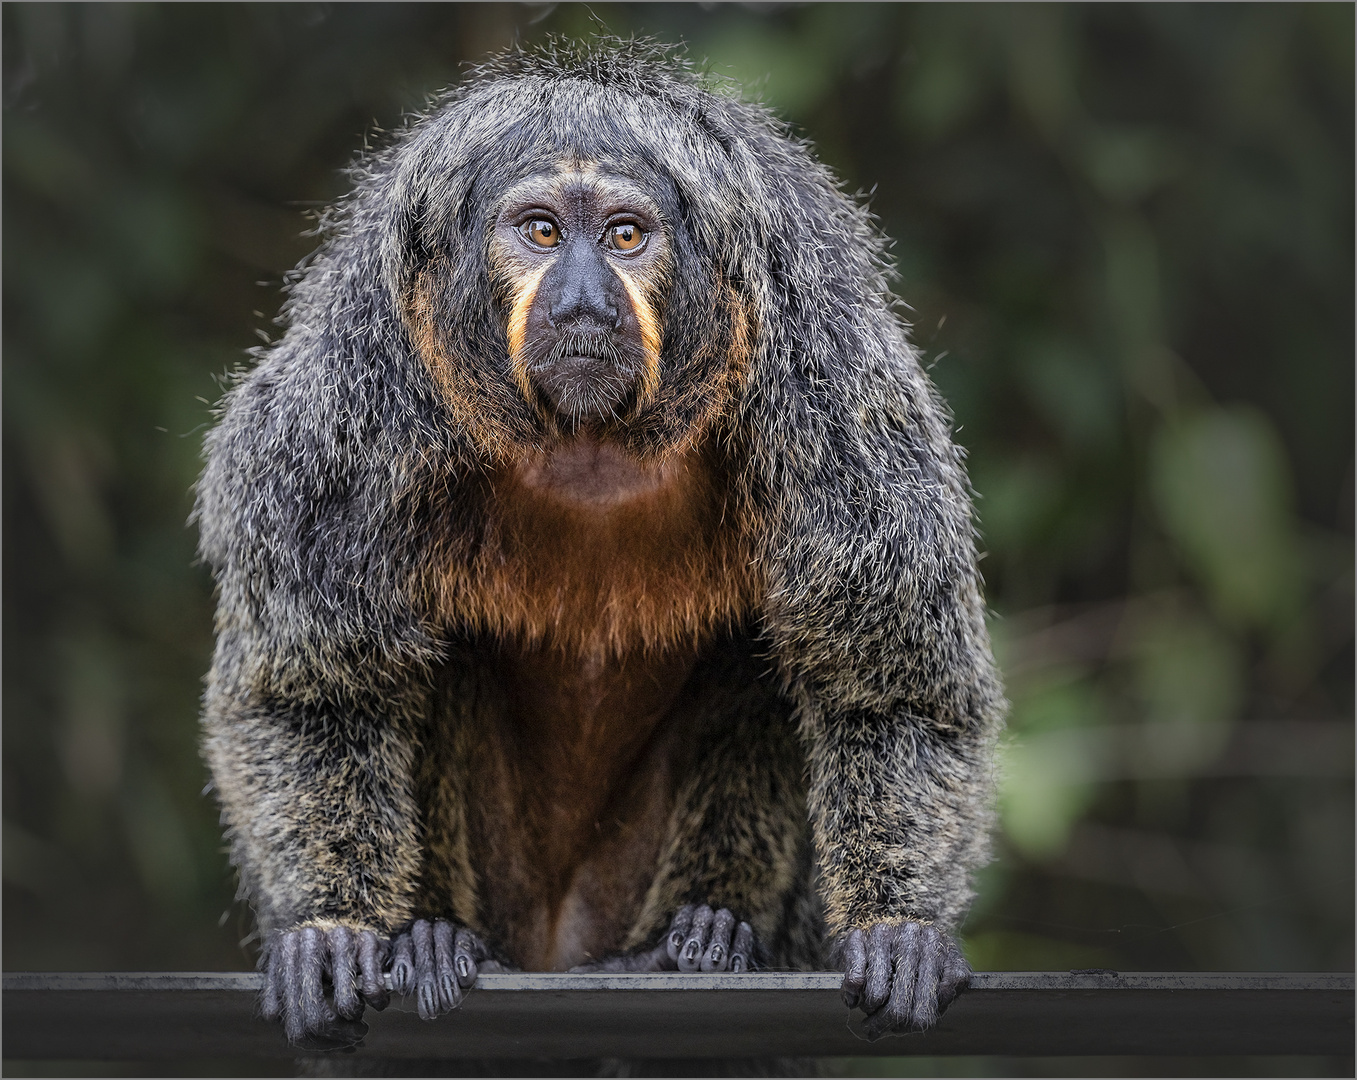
(316, 796)
(320, 674)
(876, 618)
(900, 818)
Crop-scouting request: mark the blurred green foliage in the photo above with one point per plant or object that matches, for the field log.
(1125, 234)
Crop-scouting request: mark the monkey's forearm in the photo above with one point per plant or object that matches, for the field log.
(902, 837)
(318, 805)
(897, 843)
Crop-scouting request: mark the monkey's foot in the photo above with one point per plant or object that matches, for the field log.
(902, 974)
(698, 939)
(301, 964)
(438, 961)
(701, 939)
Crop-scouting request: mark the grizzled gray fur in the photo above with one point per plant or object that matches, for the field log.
(850, 706)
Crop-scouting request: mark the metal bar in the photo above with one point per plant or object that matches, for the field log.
(146, 1016)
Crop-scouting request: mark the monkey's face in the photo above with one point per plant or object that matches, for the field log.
(580, 260)
(574, 286)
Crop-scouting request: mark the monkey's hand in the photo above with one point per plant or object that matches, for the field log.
(301, 964)
(438, 961)
(698, 939)
(902, 974)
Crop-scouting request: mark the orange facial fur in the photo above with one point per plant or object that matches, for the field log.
(524, 296)
(650, 336)
(453, 374)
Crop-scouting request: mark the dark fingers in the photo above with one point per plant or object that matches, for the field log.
(854, 959)
(690, 956)
(371, 953)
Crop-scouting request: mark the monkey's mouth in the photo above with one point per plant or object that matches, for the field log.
(585, 377)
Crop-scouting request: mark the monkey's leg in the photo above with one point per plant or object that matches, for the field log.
(732, 889)
(438, 961)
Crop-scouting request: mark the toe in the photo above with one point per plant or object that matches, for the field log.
(343, 971)
(270, 1003)
(955, 975)
(403, 964)
(678, 930)
(717, 954)
(316, 1013)
(699, 934)
(426, 987)
(742, 949)
(854, 960)
(900, 1010)
(466, 952)
(880, 964)
(289, 987)
(927, 977)
(445, 971)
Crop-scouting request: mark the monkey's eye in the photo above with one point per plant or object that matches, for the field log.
(543, 233)
(627, 236)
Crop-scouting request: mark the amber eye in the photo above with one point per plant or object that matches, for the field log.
(543, 233)
(625, 237)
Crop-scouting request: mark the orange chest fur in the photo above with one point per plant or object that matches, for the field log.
(600, 556)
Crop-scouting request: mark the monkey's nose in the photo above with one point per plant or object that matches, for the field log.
(578, 306)
(583, 294)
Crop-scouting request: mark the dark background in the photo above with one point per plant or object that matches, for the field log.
(1125, 235)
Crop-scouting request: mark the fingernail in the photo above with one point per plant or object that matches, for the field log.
(690, 953)
(463, 967)
(717, 953)
(737, 964)
(676, 941)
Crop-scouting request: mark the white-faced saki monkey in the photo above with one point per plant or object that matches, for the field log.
(597, 574)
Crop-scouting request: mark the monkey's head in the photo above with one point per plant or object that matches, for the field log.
(572, 246)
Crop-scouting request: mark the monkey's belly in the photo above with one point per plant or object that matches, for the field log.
(571, 801)
(606, 891)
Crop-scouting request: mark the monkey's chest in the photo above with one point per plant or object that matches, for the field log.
(588, 552)
(598, 580)
(571, 792)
